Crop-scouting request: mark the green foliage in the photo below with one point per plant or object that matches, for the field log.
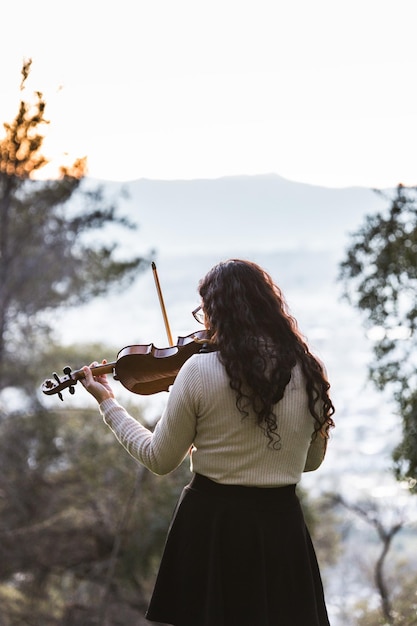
(322, 522)
(380, 279)
(381, 263)
(81, 521)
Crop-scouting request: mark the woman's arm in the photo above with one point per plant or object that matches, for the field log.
(164, 448)
(316, 453)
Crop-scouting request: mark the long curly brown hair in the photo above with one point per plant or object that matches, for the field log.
(259, 344)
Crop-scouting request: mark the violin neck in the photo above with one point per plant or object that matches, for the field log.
(97, 370)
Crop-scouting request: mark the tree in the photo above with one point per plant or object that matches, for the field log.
(68, 529)
(48, 256)
(380, 279)
(386, 532)
(404, 605)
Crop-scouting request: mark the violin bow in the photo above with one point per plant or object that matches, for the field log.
(161, 302)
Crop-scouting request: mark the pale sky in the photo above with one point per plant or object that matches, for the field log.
(321, 92)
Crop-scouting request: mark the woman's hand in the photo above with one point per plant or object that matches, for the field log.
(98, 386)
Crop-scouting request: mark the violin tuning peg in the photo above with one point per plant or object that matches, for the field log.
(60, 396)
(67, 370)
(71, 390)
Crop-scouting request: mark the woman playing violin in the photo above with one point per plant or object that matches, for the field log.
(256, 413)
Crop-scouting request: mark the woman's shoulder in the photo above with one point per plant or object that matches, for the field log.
(201, 360)
(206, 357)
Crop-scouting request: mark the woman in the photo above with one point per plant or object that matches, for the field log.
(253, 412)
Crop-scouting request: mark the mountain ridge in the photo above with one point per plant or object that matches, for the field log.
(236, 177)
(238, 214)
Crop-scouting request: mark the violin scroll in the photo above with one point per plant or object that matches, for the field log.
(56, 385)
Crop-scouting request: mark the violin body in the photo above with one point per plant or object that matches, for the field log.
(146, 370)
(142, 369)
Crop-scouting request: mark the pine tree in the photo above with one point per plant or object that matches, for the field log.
(46, 259)
(75, 545)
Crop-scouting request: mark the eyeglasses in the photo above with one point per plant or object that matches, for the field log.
(198, 315)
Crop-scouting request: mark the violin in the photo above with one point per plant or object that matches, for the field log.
(142, 369)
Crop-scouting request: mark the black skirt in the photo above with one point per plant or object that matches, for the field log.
(238, 556)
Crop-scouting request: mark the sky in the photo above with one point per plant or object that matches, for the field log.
(320, 92)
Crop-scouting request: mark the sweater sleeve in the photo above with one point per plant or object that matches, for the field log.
(163, 449)
(318, 446)
(316, 453)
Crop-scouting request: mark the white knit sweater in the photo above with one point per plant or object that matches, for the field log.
(201, 418)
